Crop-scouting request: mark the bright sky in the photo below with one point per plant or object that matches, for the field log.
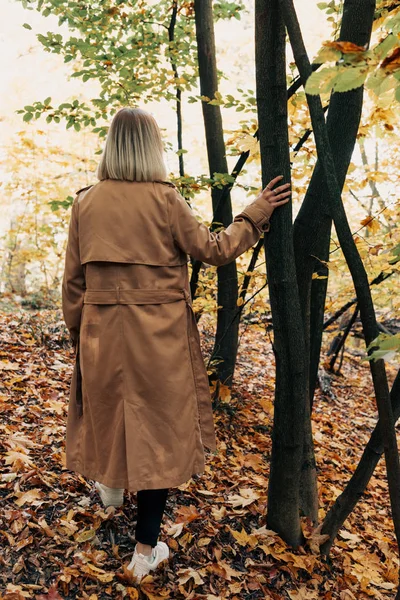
(28, 74)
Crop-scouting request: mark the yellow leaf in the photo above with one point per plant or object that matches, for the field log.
(203, 541)
(29, 497)
(371, 223)
(12, 456)
(218, 513)
(248, 143)
(244, 539)
(85, 536)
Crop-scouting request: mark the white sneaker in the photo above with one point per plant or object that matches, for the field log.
(141, 565)
(110, 496)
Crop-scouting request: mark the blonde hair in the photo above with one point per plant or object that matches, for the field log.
(133, 149)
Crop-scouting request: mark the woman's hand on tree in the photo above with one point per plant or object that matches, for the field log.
(275, 197)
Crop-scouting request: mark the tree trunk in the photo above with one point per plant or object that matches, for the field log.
(290, 392)
(312, 227)
(346, 502)
(354, 262)
(226, 340)
(171, 38)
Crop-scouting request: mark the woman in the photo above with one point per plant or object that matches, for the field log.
(140, 414)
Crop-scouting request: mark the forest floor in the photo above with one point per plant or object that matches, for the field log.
(59, 543)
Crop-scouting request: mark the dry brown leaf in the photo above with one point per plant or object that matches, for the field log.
(186, 514)
(186, 574)
(302, 593)
(29, 497)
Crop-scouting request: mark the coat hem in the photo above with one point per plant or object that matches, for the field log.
(152, 484)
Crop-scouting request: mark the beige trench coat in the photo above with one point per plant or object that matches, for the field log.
(140, 413)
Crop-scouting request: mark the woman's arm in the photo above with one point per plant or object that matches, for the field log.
(223, 247)
(73, 285)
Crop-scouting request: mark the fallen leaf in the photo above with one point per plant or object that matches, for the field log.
(186, 514)
(244, 539)
(186, 574)
(247, 496)
(29, 497)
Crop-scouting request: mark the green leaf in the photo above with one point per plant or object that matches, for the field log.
(386, 46)
(386, 345)
(350, 79)
(327, 54)
(321, 81)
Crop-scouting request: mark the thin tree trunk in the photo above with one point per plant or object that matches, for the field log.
(340, 341)
(225, 350)
(312, 227)
(354, 262)
(290, 392)
(171, 37)
(348, 499)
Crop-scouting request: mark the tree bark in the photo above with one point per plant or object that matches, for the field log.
(226, 339)
(312, 227)
(345, 503)
(354, 262)
(171, 37)
(290, 392)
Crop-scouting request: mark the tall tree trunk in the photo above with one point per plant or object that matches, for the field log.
(290, 392)
(355, 264)
(226, 340)
(312, 227)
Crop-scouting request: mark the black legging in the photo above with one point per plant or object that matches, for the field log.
(150, 511)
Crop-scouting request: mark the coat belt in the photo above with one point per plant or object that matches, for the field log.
(124, 296)
(135, 296)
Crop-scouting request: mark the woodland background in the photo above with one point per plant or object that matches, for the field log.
(258, 523)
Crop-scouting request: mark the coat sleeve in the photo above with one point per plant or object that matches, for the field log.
(73, 285)
(220, 248)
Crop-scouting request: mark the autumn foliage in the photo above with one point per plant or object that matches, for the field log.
(59, 543)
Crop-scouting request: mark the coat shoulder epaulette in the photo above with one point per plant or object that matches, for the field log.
(83, 189)
(169, 183)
